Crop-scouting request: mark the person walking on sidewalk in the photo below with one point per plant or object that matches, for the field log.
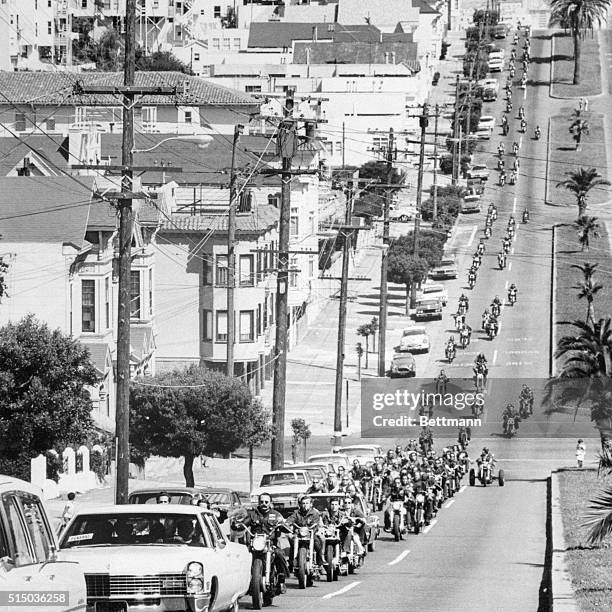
(68, 511)
(580, 452)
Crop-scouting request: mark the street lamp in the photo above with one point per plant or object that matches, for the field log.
(201, 140)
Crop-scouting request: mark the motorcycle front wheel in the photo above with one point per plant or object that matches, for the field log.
(256, 584)
(397, 533)
(329, 557)
(301, 567)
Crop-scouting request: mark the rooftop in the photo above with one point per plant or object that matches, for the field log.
(55, 87)
(51, 153)
(357, 53)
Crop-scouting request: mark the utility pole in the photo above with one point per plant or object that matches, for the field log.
(423, 122)
(231, 256)
(342, 316)
(456, 151)
(382, 314)
(435, 167)
(343, 143)
(287, 145)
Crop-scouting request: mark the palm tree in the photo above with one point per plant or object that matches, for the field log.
(588, 288)
(585, 377)
(578, 128)
(579, 17)
(587, 227)
(599, 518)
(580, 182)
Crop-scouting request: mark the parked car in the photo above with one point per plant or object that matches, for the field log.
(470, 203)
(402, 365)
(321, 502)
(428, 308)
(173, 555)
(316, 470)
(493, 83)
(447, 268)
(486, 122)
(414, 339)
(479, 171)
(431, 290)
(366, 453)
(285, 487)
(489, 94)
(496, 65)
(29, 557)
(336, 459)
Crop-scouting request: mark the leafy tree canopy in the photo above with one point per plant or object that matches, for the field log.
(44, 402)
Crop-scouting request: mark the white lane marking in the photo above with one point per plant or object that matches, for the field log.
(506, 286)
(525, 94)
(499, 328)
(512, 251)
(509, 266)
(494, 357)
(464, 487)
(449, 503)
(428, 528)
(520, 141)
(472, 235)
(514, 205)
(399, 558)
(348, 587)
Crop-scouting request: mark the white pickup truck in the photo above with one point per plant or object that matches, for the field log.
(433, 290)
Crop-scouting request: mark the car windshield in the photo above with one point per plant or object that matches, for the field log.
(218, 497)
(133, 529)
(427, 290)
(150, 497)
(447, 262)
(427, 302)
(356, 451)
(286, 478)
(413, 332)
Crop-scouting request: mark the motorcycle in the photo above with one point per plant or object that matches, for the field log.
(487, 232)
(511, 298)
(525, 216)
(303, 554)
(523, 126)
(525, 407)
(418, 514)
(506, 246)
(471, 282)
(513, 178)
(501, 261)
(515, 148)
(332, 552)
(398, 528)
(505, 129)
(464, 461)
(521, 113)
(451, 353)
(480, 249)
(463, 308)
(510, 426)
(264, 578)
(350, 559)
(492, 330)
(495, 309)
(537, 134)
(500, 164)
(376, 493)
(502, 179)
(464, 339)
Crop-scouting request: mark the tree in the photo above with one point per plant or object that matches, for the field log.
(163, 61)
(587, 227)
(4, 268)
(585, 374)
(374, 327)
(405, 268)
(44, 401)
(588, 288)
(301, 433)
(578, 127)
(108, 51)
(580, 182)
(579, 17)
(365, 330)
(190, 412)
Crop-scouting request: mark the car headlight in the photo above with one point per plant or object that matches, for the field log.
(195, 586)
(195, 578)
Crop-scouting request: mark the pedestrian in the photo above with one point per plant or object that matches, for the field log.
(580, 452)
(581, 104)
(586, 105)
(68, 511)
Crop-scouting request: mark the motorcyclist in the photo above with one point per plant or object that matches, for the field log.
(493, 325)
(463, 300)
(509, 413)
(500, 164)
(521, 112)
(506, 245)
(464, 336)
(516, 164)
(501, 259)
(486, 315)
(512, 292)
(502, 178)
(501, 148)
(441, 382)
(331, 482)
(525, 216)
(485, 457)
(264, 519)
(537, 132)
(358, 519)
(307, 516)
(515, 147)
(471, 276)
(487, 232)
(513, 177)
(526, 393)
(481, 359)
(451, 349)
(396, 493)
(497, 300)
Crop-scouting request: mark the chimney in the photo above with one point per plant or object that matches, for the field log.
(315, 33)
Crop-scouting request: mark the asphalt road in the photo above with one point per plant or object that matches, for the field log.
(486, 550)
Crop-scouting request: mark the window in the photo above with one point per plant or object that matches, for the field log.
(236, 43)
(107, 302)
(88, 309)
(293, 272)
(258, 320)
(36, 29)
(221, 326)
(50, 121)
(216, 43)
(311, 223)
(149, 117)
(22, 556)
(83, 3)
(252, 88)
(80, 115)
(20, 122)
(151, 292)
(246, 271)
(310, 267)
(294, 222)
(37, 527)
(196, 57)
(217, 12)
(49, 24)
(226, 44)
(264, 321)
(207, 325)
(222, 271)
(202, 12)
(187, 117)
(246, 326)
(216, 529)
(207, 273)
(135, 294)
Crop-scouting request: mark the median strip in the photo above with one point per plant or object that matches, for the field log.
(399, 558)
(348, 587)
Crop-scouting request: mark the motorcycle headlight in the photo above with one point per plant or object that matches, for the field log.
(397, 505)
(303, 532)
(259, 543)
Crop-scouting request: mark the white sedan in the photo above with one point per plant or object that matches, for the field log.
(167, 556)
(414, 339)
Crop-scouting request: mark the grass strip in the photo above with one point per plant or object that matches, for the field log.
(563, 67)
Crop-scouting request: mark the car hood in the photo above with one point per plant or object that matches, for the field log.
(281, 490)
(148, 559)
(410, 340)
(403, 362)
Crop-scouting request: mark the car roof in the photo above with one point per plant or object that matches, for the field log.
(420, 328)
(358, 446)
(407, 355)
(169, 490)
(312, 464)
(284, 471)
(327, 455)
(9, 483)
(142, 509)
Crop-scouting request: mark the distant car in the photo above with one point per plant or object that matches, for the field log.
(366, 453)
(470, 203)
(431, 290)
(316, 470)
(494, 83)
(428, 308)
(414, 339)
(447, 268)
(479, 171)
(284, 487)
(483, 133)
(29, 561)
(403, 214)
(402, 365)
(486, 121)
(496, 65)
(335, 459)
(156, 557)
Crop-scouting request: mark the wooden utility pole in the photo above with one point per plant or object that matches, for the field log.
(287, 146)
(231, 256)
(347, 233)
(384, 264)
(423, 122)
(435, 165)
(456, 152)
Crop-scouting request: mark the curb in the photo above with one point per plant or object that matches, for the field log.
(563, 596)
